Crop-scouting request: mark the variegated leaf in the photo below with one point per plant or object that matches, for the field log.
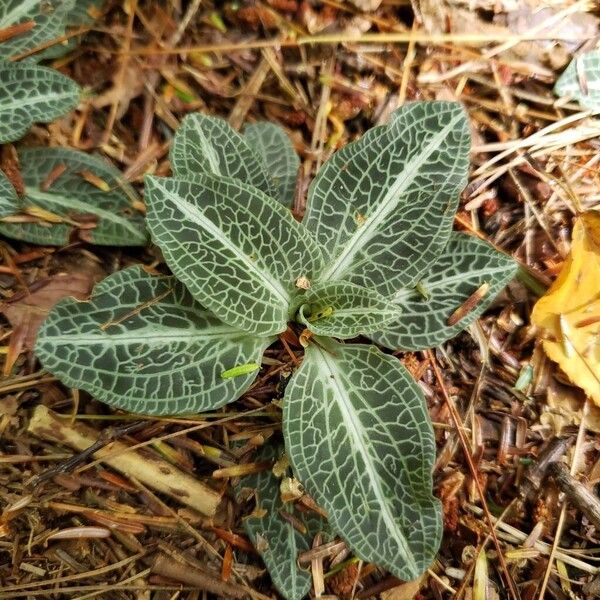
(359, 438)
(581, 80)
(238, 251)
(280, 160)
(276, 539)
(32, 94)
(57, 180)
(465, 265)
(9, 201)
(382, 207)
(49, 18)
(142, 343)
(205, 144)
(345, 310)
(82, 13)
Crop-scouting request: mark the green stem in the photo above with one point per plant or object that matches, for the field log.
(528, 279)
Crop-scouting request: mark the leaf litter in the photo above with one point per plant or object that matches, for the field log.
(370, 58)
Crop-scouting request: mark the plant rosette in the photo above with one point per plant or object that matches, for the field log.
(374, 256)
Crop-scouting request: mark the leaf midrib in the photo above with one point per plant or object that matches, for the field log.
(369, 310)
(209, 153)
(332, 375)
(121, 339)
(29, 102)
(196, 215)
(369, 229)
(406, 293)
(374, 136)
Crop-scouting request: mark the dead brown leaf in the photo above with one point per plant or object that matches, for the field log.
(517, 17)
(9, 163)
(27, 313)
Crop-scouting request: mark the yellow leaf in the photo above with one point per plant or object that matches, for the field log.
(568, 315)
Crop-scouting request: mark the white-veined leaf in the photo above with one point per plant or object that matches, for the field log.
(105, 217)
(382, 207)
(238, 251)
(8, 196)
(32, 94)
(49, 18)
(142, 343)
(204, 144)
(345, 310)
(82, 13)
(280, 160)
(463, 268)
(359, 438)
(277, 540)
(581, 80)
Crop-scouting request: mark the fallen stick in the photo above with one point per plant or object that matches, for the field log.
(145, 467)
(184, 573)
(577, 493)
(536, 472)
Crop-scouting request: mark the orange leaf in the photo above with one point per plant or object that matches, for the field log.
(568, 315)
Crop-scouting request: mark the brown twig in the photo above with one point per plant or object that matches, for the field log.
(420, 37)
(576, 492)
(8, 33)
(552, 452)
(179, 571)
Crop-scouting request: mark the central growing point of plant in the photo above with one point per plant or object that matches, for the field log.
(375, 256)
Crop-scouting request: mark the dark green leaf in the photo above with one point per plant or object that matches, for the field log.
(465, 265)
(345, 310)
(382, 208)
(32, 94)
(78, 16)
(142, 343)
(358, 435)
(208, 145)
(281, 162)
(70, 196)
(49, 17)
(581, 80)
(238, 251)
(276, 539)
(9, 201)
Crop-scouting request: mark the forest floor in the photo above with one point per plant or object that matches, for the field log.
(326, 71)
